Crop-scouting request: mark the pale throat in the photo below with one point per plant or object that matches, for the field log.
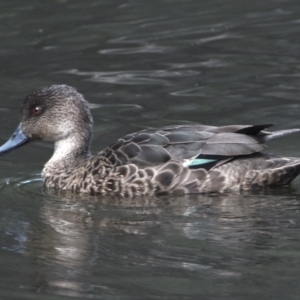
(68, 152)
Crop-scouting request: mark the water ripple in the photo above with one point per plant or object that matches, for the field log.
(28, 187)
(198, 91)
(211, 63)
(122, 107)
(148, 77)
(218, 37)
(142, 49)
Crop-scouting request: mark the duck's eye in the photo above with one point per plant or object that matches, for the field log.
(36, 110)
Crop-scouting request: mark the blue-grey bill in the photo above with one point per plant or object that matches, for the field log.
(17, 140)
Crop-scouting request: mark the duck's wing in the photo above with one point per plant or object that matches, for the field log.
(192, 145)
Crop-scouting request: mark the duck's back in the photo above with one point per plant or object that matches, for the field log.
(192, 145)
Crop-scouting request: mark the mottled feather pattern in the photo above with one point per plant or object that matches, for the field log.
(98, 176)
(150, 163)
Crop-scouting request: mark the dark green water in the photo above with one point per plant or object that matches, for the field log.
(150, 63)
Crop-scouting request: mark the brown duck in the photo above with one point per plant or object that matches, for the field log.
(183, 159)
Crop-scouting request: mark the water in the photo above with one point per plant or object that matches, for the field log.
(150, 63)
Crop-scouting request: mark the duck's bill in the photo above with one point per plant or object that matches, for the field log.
(17, 140)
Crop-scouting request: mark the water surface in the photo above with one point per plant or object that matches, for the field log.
(141, 64)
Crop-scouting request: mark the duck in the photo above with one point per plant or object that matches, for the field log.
(171, 160)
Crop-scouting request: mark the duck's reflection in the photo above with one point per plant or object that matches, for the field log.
(111, 239)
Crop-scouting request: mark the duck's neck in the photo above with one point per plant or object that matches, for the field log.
(68, 154)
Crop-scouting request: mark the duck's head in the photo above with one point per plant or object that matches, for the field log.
(55, 113)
